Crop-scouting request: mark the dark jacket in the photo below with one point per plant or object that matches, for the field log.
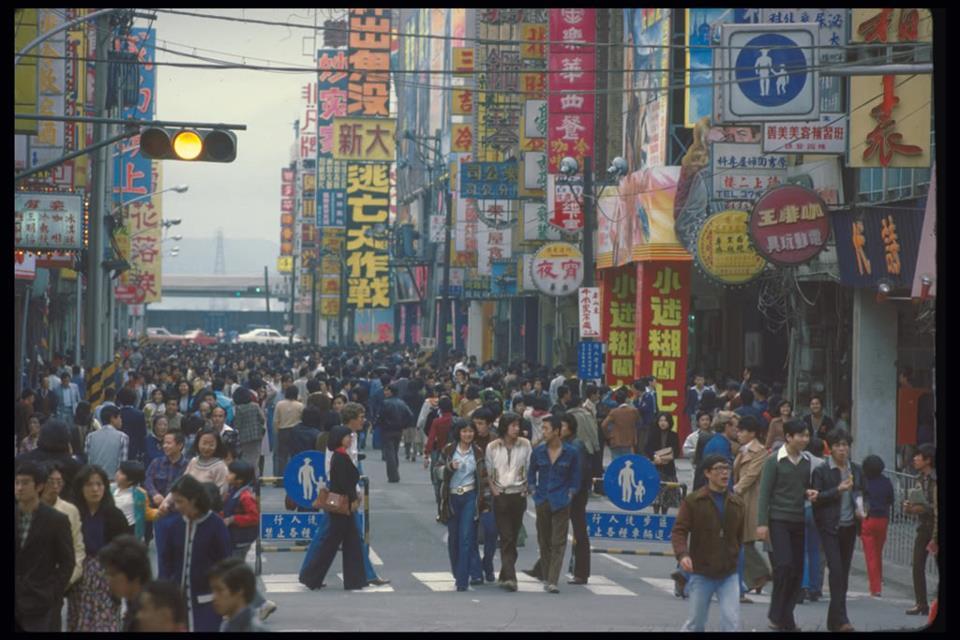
(878, 494)
(395, 416)
(135, 426)
(303, 438)
(826, 508)
(653, 445)
(245, 621)
(53, 445)
(714, 545)
(42, 568)
(343, 475)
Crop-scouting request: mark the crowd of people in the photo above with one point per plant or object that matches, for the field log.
(172, 458)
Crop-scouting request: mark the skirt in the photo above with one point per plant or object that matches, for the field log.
(90, 607)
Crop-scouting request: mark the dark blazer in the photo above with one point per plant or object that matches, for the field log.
(826, 508)
(44, 565)
(343, 475)
(714, 544)
(653, 445)
(135, 426)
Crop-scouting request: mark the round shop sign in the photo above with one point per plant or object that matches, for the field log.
(557, 269)
(789, 225)
(724, 250)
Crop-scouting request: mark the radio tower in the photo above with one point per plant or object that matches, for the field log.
(219, 269)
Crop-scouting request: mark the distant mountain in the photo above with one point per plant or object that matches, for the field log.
(242, 256)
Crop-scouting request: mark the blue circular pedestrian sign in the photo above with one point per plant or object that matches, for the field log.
(303, 477)
(631, 482)
(771, 70)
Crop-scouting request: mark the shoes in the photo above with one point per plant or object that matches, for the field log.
(918, 611)
(508, 585)
(815, 596)
(776, 627)
(845, 628)
(266, 609)
(532, 574)
(394, 481)
(876, 595)
(551, 588)
(477, 582)
(577, 581)
(761, 583)
(379, 582)
(461, 588)
(322, 586)
(804, 595)
(745, 600)
(490, 577)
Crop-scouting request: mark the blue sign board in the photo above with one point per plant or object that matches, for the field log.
(331, 208)
(289, 526)
(622, 526)
(489, 180)
(631, 482)
(878, 243)
(590, 360)
(771, 70)
(133, 173)
(303, 477)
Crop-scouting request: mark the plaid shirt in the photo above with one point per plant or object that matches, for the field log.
(161, 474)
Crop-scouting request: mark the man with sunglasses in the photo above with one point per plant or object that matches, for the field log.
(712, 518)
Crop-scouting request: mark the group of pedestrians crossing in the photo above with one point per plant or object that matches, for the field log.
(172, 457)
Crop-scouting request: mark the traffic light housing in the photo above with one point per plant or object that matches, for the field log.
(188, 143)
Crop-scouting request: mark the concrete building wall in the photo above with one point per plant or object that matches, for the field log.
(874, 411)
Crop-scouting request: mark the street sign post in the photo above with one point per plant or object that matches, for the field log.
(631, 482)
(623, 526)
(303, 476)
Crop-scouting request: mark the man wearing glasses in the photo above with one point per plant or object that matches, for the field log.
(712, 518)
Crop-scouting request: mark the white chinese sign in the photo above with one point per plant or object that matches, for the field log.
(829, 135)
(536, 226)
(589, 312)
(742, 172)
(492, 245)
(565, 202)
(51, 221)
(557, 269)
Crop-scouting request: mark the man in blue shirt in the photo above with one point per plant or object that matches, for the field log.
(553, 478)
(748, 408)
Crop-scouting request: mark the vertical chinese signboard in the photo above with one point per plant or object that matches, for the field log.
(619, 298)
(133, 174)
(367, 261)
(572, 65)
(287, 186)
(663, 304)
(144, 231)
(589, 312)
(368, 185)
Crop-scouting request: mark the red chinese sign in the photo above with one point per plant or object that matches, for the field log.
(789, 225)
(619, 297)
(884, 141)
(572, 65)
(663, 305)
(368, 87)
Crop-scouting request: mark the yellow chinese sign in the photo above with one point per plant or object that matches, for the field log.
(533, 37)
(461, 103)
(463, 61)
(365, 139)
(285, 264)
(619, 297)
(724, 250)
(367, 258)
(461, 139)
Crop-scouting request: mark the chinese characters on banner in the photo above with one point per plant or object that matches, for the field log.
(367, 260)
(331, 207)
(564, 198)
(307, 147)
(619, 299)
(742, 172)
(133, 174)
(48, 221)
(589, 312)
(536, 228)
(140, 244)
(789, 225)
(492, 244)
(292, 526)
(557, 269)
(364, 139)
(572, 69)
(663, 304)
(724, 251)
(827, 136)
(331, 95)
(287, 195)
(331, 241)
(878, 244)
(893, 128)
(489, 180)
(620, 526)
(48, 89)
(368, 88)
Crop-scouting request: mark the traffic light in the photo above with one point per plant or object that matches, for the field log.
(254, 289)
(197, 145)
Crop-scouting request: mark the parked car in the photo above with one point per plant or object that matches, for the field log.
(266, 336)
(198, 336)
(158, 335)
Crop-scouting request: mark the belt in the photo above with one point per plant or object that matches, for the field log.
(467, 488)
(511, 492)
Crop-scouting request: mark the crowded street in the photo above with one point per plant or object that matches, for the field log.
(478, 319)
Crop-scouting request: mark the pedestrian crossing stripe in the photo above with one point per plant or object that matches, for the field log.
(290, 583)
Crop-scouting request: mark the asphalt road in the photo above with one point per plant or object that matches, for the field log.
(625, 593)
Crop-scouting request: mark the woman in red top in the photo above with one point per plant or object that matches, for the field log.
(439, 433)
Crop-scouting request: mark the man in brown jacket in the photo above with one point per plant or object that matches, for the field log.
(747, 468)
(712, 517)
(620, 426)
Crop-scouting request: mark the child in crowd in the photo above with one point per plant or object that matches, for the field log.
(234, 587)
(131, 499)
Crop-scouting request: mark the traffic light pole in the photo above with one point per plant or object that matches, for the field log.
(445, 298)
(266, 291)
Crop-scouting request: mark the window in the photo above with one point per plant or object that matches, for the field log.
(886, 185)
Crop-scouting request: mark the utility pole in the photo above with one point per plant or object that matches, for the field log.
(589, 215)
(445, 298)
(95, 276)
(293, 289)
(266, 291)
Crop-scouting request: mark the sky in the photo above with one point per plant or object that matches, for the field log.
(242, 197)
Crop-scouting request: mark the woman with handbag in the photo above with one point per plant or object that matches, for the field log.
(339, 500)
(464, 474)
(662, 448)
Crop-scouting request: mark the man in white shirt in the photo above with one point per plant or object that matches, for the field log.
(507, 462)
(556, 382)
(51, 496)
(68, 397)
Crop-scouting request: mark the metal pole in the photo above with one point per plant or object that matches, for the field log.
(445, 298)
(95, 275)
(134, 121)
(109, 141)
(293, 291)
(23, 334)
(313, 307)
(588, 221)
(76, 357)
(266, 289)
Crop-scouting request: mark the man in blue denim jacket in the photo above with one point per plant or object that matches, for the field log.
(554, 478)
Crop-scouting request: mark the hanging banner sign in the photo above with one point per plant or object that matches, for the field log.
(827, 136)
(557, 269)
(789, 225)
(589, 312)
(565, 202)
(590, 360)
(489, 180)
(724, 252)
(48, 221)
(365, 139)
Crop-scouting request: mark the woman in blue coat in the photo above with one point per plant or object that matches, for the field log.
(209, 542)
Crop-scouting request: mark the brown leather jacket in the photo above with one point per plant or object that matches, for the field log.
(714, 544)
(482, 487)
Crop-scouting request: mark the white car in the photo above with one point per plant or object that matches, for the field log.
(266, 336)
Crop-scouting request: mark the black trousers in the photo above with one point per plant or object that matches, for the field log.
(390, 441)
(924, 535)
(47, 621)
(786, 538)
(343, 530)
(581, 540)
(838, 549)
